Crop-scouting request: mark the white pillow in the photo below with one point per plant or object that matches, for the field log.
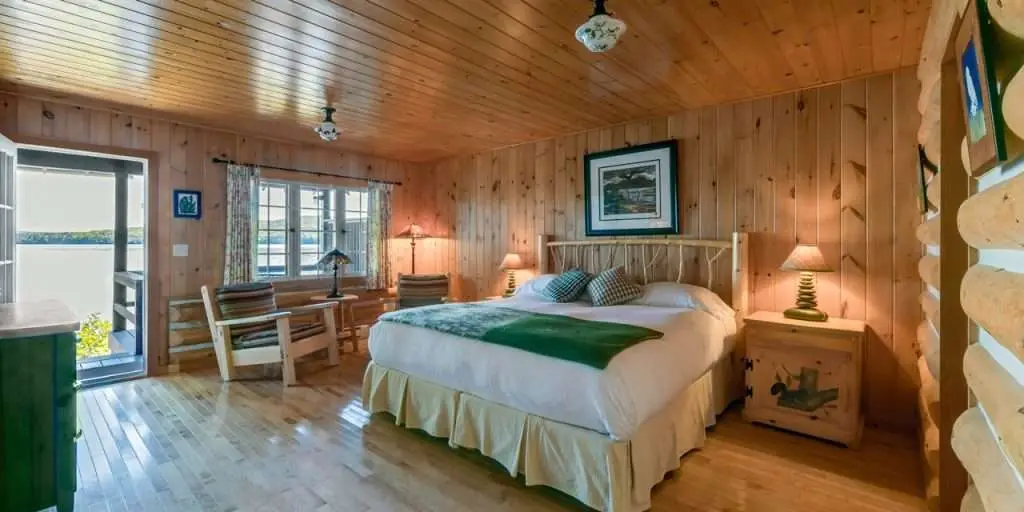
(536, 285)
(682, 295)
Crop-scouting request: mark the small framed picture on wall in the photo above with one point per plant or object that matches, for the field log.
(632, 191)
(188, 204)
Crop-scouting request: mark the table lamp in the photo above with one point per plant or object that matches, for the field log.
(510, 263)
(336, 259)
(806, 259)
(413, 232)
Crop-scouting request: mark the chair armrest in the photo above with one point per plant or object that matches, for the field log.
(253, 319)
(308, 308)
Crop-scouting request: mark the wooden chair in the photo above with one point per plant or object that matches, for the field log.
(257, 332)
(415, 290)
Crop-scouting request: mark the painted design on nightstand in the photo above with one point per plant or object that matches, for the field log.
(806, 396)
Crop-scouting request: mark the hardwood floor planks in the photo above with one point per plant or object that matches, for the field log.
(190, 442)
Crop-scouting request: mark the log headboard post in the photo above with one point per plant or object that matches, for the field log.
(741, 275)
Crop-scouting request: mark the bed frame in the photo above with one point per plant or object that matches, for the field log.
(606, 474)
(658, 259)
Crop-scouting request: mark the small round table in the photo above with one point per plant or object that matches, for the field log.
(344, 303)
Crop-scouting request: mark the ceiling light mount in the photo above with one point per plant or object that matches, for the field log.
(602, 31)
(327, 130)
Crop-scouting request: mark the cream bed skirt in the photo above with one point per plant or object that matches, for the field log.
(604, 474)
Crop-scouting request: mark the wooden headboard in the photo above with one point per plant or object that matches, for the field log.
(690, 260)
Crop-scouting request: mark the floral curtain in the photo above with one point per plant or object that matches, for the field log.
(378, 265)
(239, 245)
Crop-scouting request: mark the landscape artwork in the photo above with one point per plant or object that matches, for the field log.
(632, 191)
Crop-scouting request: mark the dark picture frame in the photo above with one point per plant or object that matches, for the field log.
(633, 190)
(926, 171)
(188, 204)
(982, 113)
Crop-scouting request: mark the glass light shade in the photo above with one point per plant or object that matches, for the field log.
(412, 231)
(327, 131)
(600, 33)
(334, 257)
(512, 261)
(806, 258)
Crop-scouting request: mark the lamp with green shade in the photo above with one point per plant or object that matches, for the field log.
(334, 259)
(808, 260)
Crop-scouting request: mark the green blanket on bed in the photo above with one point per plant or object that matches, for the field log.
(562, 337)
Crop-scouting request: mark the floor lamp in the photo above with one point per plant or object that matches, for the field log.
(413, 232)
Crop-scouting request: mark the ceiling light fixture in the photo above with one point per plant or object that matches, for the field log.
(601, 31)
(327, 130)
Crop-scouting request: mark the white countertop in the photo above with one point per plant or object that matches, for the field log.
(26, 319)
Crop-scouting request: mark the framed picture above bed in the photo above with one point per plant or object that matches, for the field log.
(632, 191)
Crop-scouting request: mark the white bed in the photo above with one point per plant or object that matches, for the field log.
(637, 383)
(605, 437)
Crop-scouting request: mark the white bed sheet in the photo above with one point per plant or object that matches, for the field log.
(637, 383)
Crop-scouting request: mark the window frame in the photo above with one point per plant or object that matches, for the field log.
(294, 231)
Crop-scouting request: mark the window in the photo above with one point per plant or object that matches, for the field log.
(298, 223)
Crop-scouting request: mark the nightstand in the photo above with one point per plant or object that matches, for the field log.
(805, 376)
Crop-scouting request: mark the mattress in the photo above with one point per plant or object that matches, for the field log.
(638, 382)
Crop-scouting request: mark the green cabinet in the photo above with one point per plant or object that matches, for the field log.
(38, 418)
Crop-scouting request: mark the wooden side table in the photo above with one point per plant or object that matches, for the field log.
(344, 306)
(805, 376)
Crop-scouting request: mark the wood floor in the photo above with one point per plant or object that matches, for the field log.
(188, 442)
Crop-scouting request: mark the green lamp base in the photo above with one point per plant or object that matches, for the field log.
(806, 314)
(806, 302)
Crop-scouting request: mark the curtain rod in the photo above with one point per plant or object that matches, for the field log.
(304, 171)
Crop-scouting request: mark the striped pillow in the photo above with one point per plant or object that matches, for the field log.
(567, 287)
(612, 287)
(422, 290)
(245, 300)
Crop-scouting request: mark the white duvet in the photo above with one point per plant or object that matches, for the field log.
(637, 383)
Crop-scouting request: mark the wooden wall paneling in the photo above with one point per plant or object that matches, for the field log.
(708, 193)
(745, 170)
(980, 452)
(830, 192)
(725, 195)
(761, 249)
(784, 175)
(854, 190)
(880, 275)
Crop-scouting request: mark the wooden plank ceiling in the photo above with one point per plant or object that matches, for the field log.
(424, 79)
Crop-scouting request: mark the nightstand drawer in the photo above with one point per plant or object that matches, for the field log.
(801, 384)
(805, 376)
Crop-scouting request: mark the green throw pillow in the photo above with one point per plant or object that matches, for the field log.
(566, 287)
(612, 287)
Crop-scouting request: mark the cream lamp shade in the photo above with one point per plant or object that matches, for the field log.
(511, 261)
(806, 258)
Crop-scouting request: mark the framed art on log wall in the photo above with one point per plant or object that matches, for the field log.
(632, 190)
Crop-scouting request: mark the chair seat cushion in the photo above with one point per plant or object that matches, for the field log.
(268, 337)
(247, 300)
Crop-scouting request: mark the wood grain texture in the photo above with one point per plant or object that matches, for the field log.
(994, 218)
(795, 167)
(178, 155)
(929, 230)
(419, 80)
(994, 298)
(1003, 399)
(997, 484)
(928, 269)
(187, 442)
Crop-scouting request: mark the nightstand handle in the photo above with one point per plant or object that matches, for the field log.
(749, 392)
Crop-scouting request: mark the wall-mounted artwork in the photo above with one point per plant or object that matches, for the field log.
(979, 94)
(926, 171)
(188, 204)
(632, 191)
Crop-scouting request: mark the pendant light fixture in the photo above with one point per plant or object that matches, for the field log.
(327, 130)
(602, 31)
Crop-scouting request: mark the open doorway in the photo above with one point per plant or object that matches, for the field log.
(81, 239)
